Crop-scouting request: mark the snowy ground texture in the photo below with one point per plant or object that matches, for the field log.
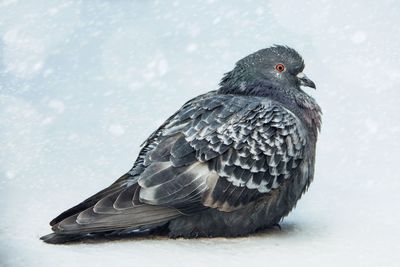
(83, 83)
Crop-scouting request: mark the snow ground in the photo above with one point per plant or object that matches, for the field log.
(83, 83)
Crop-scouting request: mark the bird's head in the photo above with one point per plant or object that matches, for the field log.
(277, 67)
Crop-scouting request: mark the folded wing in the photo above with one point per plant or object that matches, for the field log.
(222, 152)
(217, 151)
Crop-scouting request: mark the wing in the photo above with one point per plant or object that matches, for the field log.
(217, 151)
(118, 206)
(222, 151)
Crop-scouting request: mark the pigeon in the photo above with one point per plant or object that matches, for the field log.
(228, 163)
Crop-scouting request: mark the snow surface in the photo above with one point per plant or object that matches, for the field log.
(83, 83)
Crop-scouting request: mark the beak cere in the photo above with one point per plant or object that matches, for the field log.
(305, 81)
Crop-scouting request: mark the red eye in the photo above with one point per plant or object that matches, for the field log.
(280, 67)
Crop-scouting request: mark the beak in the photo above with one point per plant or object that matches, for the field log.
(305, 81)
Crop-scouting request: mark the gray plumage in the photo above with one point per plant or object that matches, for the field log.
(228, 163)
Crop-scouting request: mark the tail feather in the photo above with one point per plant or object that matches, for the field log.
(89, 221)
(111, 211)
(55, 238)
(62, 238)
(91, 201)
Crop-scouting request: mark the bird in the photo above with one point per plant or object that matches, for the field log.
(229, 163)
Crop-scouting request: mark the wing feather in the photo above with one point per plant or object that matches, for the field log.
(218, 151)
(251, 144)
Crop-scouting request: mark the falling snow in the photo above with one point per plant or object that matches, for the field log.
(116, 130)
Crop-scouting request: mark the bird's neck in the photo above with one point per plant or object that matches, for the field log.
(294, 99)
(241, 82)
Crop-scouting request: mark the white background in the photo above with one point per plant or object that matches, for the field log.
(83, 83)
